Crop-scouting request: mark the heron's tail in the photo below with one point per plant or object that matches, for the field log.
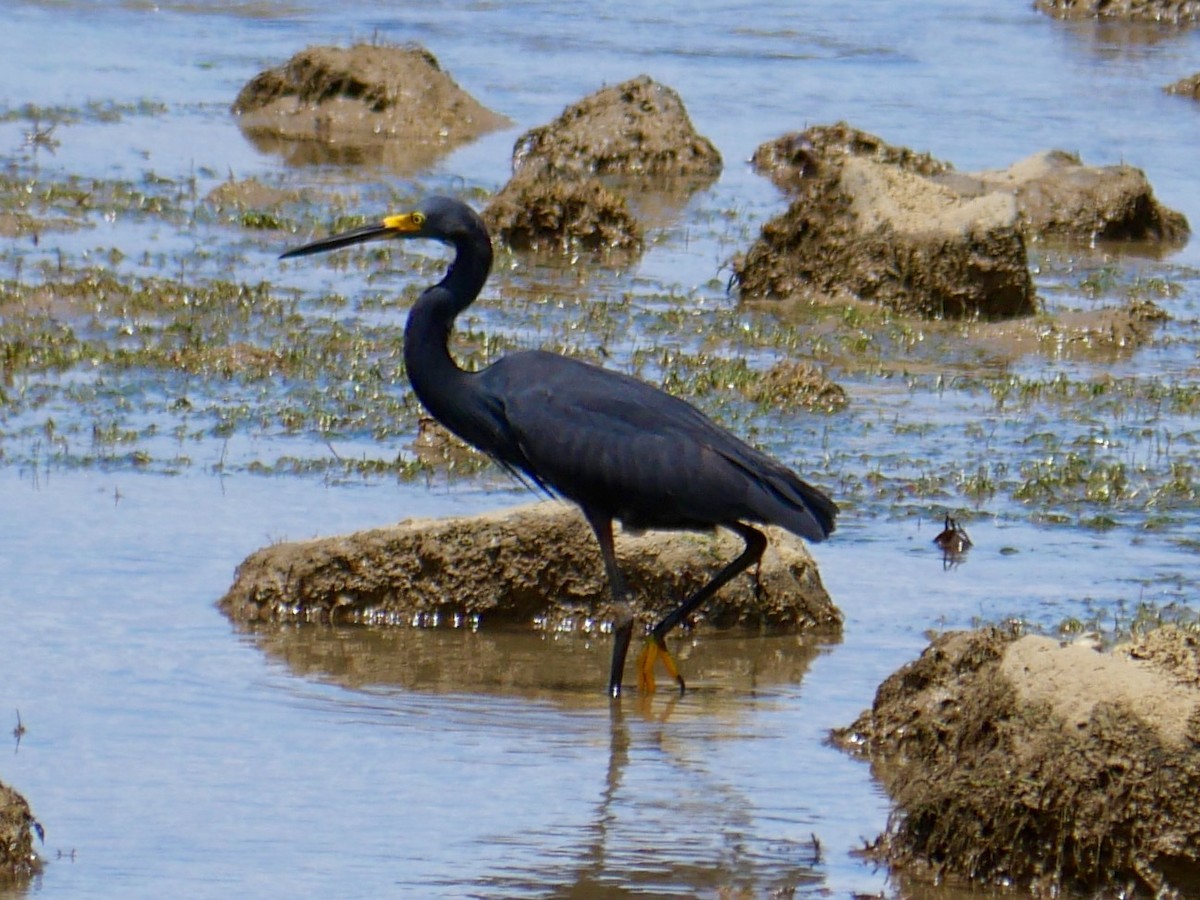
(792, 503)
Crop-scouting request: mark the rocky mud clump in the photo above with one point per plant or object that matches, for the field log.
(572, 177)
(1060, 197)
(790, 159)
(797, 384)
(546, 214)
(638, 127)
(1049, 767)
(887, 225)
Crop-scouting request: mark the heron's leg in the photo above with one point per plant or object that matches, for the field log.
(656, 648)
(622, 613)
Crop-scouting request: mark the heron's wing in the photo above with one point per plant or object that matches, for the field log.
(614, 443)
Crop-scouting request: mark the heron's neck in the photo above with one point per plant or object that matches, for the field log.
(431, 369)
(467, 273)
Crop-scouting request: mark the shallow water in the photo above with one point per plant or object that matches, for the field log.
(169, 753)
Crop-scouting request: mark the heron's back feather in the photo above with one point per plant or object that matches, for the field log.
(616, 444)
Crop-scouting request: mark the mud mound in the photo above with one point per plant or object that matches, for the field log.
(638, 127)
(18, 862)
(1170, 12)
(1186, 87)
(636, 136)
(1058, 196)
(537, 564)
(877, 232)
(367, 103)
(1019, 761)
(546, 214)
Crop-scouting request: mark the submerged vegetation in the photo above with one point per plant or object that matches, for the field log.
(208, 354)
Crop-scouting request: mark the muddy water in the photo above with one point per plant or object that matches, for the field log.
(167, 753)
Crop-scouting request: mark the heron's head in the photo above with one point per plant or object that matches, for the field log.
(437, 218)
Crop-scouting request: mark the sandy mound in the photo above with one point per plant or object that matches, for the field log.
(572, 178)
(367, 103)
(534, 565)
(1048, 767)
(18, 862)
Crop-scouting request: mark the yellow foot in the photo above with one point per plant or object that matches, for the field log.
(655, 650)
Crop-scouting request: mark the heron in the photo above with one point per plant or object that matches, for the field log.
(621, 449)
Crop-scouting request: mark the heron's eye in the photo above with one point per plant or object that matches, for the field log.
(418, 219)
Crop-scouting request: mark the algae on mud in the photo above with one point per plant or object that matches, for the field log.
(104, 366)
(109, 361)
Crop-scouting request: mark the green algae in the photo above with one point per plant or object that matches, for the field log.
(213, 358)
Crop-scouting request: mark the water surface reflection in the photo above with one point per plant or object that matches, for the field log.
(642, 796)
(567, 669)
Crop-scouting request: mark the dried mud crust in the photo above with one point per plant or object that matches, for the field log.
(572, 177)
(536, 565)
(1169, 12)
(790, 159)
(899, 228)
(367, 103)
(1020, 761)
(1058, 196)
(18, 862)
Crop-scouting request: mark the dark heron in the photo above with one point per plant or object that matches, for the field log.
(619, 448)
